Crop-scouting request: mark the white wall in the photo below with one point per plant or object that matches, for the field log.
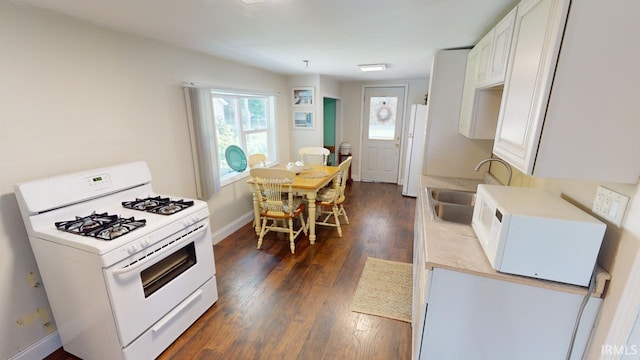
(305, 137)
(329, 87)
(352, 97)
(324, 86)
(73, 97)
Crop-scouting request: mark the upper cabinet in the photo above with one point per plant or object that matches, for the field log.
(468, 94)
(500, 46)
(485, 73)
(493, 52)
(483, 49)
(570, 106)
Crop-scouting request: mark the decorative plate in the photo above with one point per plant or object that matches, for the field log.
(236, 158)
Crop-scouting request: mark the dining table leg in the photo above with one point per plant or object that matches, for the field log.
(311, 196)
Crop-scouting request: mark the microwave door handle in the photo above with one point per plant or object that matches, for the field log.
(139, 264)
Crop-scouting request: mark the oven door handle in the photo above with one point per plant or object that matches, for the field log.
(139, 264)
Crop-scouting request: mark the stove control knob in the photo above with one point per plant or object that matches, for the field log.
(194, 219)
(132, 249)
(145, 242)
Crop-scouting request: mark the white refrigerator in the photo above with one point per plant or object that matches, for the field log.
(415, 150)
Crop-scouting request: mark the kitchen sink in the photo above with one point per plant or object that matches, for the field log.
(461, 214)
(451, 205)
(453, 196)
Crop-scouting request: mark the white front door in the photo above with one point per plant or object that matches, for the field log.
(382, 126)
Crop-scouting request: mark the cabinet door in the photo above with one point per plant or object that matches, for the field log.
(419, 279)
(532, 59)
(477, 317)
(501, 45)
(484, 55)
(468, 94)
(592, 123)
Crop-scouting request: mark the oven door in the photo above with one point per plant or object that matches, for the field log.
(148, 285)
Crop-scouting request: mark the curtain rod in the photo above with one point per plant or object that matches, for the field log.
(188, 84)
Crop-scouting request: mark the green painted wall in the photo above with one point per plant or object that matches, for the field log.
(330, 126)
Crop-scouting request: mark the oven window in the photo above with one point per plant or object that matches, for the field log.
(167, 269)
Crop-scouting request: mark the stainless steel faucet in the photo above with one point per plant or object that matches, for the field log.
(509, 171)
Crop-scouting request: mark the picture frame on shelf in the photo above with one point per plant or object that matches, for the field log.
(304, 119)
(302, 96)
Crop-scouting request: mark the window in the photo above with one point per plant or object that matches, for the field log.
(218, 119)
(246, 121)
(382, 117)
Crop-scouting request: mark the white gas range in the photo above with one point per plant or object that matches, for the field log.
(126, 270)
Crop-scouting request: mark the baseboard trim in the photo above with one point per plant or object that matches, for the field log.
(232, 227)
(41, 348)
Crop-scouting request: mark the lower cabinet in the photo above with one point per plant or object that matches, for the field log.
(420, 282)
(466, 316)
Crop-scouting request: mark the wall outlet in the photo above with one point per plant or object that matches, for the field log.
(610, 205)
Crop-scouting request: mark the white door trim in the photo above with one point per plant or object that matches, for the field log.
(402, 127)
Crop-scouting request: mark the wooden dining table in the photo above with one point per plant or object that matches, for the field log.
(307, 183)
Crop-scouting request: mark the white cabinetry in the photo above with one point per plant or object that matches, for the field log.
(479, 112)
(476, 317)
(570, 106)
(483, 48)
(486, 68)
(500, 46)
(420, 282)
(466, 122)
(493, 52)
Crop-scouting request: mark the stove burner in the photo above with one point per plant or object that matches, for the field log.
(146, 204)
(169, 209)
(120, 227)
(101, 226)
(158, 205)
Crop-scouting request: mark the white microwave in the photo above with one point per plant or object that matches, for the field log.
(531, 232)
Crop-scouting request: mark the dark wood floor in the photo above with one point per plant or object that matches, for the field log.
(275, 305)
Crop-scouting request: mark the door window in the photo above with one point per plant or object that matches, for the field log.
(382, 118)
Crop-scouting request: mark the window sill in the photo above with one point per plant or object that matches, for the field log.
(235, 178)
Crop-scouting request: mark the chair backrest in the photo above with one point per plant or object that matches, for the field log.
(257, 160)
(343, 171)
(271, 184)
(314, 155)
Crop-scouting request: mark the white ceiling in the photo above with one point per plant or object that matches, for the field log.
(333, 35)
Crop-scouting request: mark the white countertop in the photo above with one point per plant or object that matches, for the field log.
(455, 246)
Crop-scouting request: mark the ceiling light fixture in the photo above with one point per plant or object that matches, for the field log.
(251, 2)
(372, 67)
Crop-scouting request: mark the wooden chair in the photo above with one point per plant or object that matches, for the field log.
(257, 160)
(278, 205)
(329, 202)
(314, 155)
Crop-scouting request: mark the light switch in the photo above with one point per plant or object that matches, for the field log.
(613, 211)
(610, 205)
